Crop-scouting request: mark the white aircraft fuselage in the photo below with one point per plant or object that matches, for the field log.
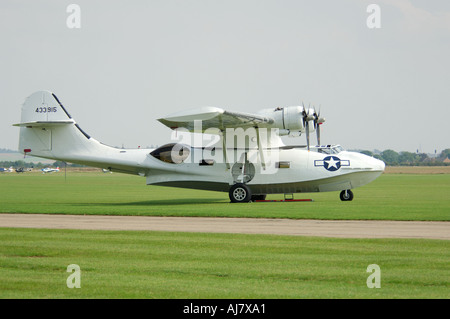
(265, 167)
(301, 171)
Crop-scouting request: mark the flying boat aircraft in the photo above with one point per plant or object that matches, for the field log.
(214, 149)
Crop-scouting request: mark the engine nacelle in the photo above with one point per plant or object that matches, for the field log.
(288, 118)
(293, 119)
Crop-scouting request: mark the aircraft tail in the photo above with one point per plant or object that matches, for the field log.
(47, 129)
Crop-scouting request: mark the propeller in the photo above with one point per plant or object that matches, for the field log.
(306, 119)
(315, 117)
(317, 121)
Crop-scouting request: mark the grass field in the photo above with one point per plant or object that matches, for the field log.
(117, 264)
(391, 196)
(120, 264)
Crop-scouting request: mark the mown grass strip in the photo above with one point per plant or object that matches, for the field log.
(117, 264)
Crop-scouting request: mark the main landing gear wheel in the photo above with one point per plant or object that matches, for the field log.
(346, 195)
(240, 193)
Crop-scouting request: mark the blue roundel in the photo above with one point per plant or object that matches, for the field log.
(332, 163)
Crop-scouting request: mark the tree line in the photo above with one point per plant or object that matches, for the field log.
(39, 165)
(392, 158)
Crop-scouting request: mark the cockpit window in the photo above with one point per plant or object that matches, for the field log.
(330, 149)
(338, 149)
(324, 150)
(172, 153)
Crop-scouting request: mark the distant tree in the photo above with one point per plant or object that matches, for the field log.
(407, 158)
(422, 157)
(390, 157)
(58, 164)
(61, 164)
(444, 154)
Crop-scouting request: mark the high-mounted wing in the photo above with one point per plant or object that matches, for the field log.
(213, 117)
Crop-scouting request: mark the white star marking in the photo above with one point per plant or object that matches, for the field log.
(331, 163)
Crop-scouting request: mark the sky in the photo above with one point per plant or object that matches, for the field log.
(132, 62)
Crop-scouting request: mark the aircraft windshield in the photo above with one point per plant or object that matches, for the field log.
(330, 149)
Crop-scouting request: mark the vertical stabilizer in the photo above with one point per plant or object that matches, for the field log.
(47, 129)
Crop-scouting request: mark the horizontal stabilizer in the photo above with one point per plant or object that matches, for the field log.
(44, 123)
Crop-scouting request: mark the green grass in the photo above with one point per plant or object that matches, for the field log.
(390, 197)
(115, 264)
(120, 264)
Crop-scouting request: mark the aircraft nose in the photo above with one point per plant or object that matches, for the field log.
(378, 165)
(371, 163)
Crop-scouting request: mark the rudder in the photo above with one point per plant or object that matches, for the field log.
(43, 106)
(46, 128)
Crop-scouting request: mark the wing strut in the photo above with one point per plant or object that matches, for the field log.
(224, 149)
(260, 149)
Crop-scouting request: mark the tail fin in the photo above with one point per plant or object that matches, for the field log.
(43, 106)
(47, 129)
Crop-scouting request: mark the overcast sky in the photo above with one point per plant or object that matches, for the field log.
(132, 62)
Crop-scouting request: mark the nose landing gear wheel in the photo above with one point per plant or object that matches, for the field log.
(346, 195)
(240, 193)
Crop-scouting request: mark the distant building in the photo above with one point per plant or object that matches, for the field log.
(447, 160)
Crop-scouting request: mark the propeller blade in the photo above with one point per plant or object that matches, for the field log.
(318, 134)
(316, 125)
(307, 134)
(317, 122)
(306, 118)
(304, 115)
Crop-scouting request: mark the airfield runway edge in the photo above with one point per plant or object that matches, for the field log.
(321, 228)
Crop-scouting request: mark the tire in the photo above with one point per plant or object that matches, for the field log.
(346, 195)
(258, 197)
(240, 193)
